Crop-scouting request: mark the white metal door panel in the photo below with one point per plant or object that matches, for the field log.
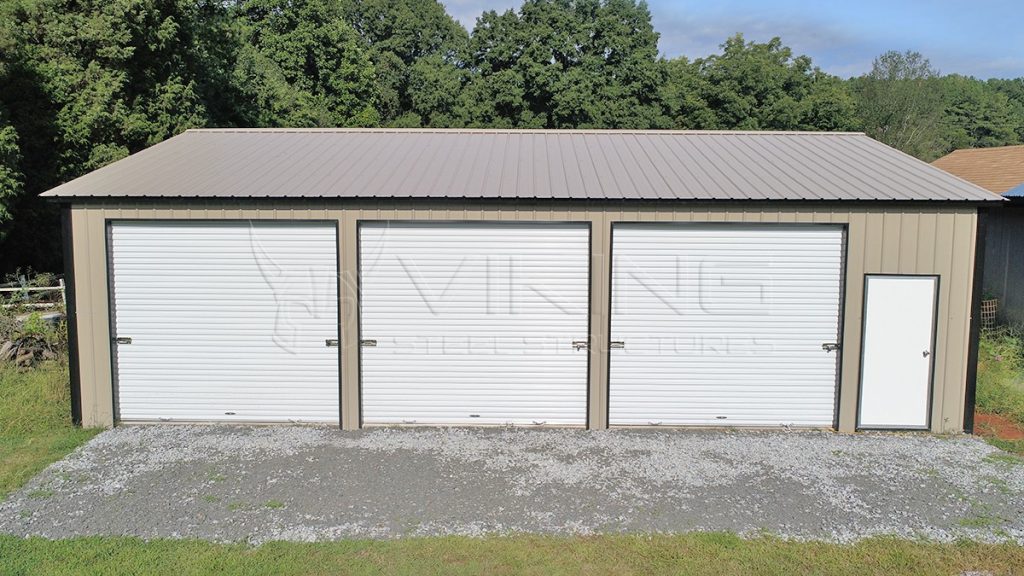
(723, 325)
(228, 321)
(899, 328)
(474, 323)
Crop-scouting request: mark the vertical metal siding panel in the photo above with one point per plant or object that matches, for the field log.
(856, 238)
(348, 250)
(958, 308)
(100, 312)
(891, 231)
(89, 356)
(873, 237)
(909, 242)
(945, 238)
(925, 241)
(600, 245)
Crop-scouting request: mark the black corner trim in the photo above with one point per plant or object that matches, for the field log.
(975, 329)
(72, 315)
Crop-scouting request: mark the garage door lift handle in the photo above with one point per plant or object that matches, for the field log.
(332, 342)
(367, 342)
(580, 345)
(830, 346)
(123, 340)
(617, 344)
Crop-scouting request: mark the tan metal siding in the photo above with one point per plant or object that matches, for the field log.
(931, 239)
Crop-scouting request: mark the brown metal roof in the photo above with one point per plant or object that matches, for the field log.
(516, 164)
(995, 169)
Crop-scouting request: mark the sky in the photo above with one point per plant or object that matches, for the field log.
(981, 38)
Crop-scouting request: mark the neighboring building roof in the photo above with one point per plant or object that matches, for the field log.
(518, 164)
(995, 169)
(1015, 192)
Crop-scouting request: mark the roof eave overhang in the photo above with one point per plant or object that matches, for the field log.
(994, 202)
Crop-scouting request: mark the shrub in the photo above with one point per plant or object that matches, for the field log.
(27, 335)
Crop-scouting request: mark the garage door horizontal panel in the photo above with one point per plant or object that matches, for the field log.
(228, 320)
(474, 323)
(723, 325)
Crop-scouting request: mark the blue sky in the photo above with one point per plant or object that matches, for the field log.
(983, 38)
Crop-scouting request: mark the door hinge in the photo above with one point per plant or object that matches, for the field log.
(580, 345)
(123, 340)
(830, 346)
(368, 342)
(333, 342)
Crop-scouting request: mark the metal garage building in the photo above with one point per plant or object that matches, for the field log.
(563, 278)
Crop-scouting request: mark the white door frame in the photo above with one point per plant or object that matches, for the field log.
(931, 364)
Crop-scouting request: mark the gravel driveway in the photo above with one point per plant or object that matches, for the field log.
(297, 483)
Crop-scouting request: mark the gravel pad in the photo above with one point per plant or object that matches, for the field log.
(257, 484)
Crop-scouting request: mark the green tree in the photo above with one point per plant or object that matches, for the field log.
(1014, 92)
(977, 115)
(91, 81)
(11, 178)
(417, 50)
(301, 64)
(754, 86)
(566, 63)
(900, 103)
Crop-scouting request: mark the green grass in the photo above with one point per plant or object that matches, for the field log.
(35, 430)
(1001, 374)
(712, 553)
(35, 422)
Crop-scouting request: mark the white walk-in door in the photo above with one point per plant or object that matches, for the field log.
(899, 329)
(228, 321)
(724, 325)
(473, 323)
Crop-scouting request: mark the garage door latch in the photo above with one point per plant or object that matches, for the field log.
(617, 344)
(830, 346)
(123, 340)
(580, 345)
(332, 342)
(368, 342)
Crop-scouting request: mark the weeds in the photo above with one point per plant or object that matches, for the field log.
(1001, 373)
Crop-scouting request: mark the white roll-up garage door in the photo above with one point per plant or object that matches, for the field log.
(471, 323)
(724, 325)
(225, 321)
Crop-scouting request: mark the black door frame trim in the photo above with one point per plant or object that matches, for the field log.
(971, 384)
(71, 314)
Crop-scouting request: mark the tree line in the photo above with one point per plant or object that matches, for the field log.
(86, 82)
